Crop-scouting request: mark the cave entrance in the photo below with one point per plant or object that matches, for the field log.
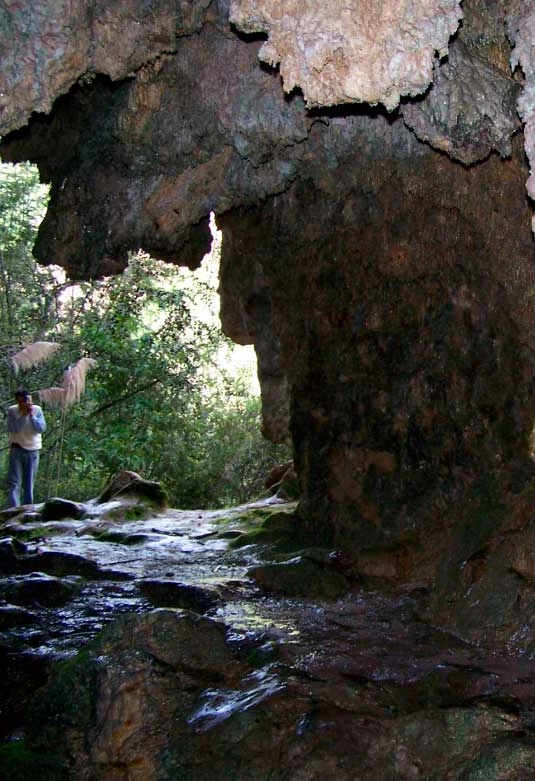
(163, 392)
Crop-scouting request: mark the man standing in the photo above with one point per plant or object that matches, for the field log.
(25, 424)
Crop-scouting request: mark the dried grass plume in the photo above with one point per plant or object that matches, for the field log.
(33, 355)
(72, 386)
(74, 380)
(53, 396)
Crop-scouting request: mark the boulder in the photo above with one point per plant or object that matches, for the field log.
(300, 576)
(39, 589)
(140, 677)
(59, 564)
(14, 615)
(11, 550)
(56, 509)
(169, 593)
(275, 475)
(129, 483)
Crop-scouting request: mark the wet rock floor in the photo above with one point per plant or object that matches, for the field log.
(181, 546)
(367, 655)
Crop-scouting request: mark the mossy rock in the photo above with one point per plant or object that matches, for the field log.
(129, 483)
(65, 703)
(138, 511)
(56, 509)
(230, 534)
(282, 540)
(276, 528)
(324, 557)
(279, 520)
(289, 487)
(31, 533)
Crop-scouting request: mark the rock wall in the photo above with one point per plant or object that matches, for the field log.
(413, 379)
(381, 261)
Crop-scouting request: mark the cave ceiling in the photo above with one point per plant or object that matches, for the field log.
(146, 117)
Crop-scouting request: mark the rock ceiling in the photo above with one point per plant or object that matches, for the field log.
(195, 124)
(352, 51)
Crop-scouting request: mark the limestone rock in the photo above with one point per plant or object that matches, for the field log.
(204, 130)
(126, 691)
(178, 638)
(470, 109)
(283, 482)
(301, 576)
(346, 52)
(521, 29)
(388, 290)
(276, 474)
(11, 551)
(38, 588)
(12, 615)
(47, 48)
(168, 593)
(376, 697)
(59, 564)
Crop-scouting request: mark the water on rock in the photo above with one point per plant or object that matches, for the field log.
(350, 684)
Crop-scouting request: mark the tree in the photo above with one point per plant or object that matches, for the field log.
(27, 292)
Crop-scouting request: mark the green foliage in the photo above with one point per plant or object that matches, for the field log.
(20, 763)
(157, 402)
(27, 292)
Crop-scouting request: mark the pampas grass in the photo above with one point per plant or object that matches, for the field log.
(33, 355)
(53, 396)
(72, 386)
(74, 380)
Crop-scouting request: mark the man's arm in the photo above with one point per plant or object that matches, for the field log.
(37, 420)
(12, 427)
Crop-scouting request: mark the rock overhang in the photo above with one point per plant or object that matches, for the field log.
(197, 124)
(356, 51)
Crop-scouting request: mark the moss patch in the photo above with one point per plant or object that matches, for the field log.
(132, 512)
(34, 533)
(276, 528)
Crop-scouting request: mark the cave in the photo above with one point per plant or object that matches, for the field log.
(369, 166)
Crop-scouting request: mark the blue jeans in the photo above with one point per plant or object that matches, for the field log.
(21, 475)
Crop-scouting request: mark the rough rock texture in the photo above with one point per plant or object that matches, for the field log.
(144, 163)
(393, 379)
(163, 696)
(521, 29)
(129, 483)
(111, 707)
(356, 51)
(46, 47)
(470, 110)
